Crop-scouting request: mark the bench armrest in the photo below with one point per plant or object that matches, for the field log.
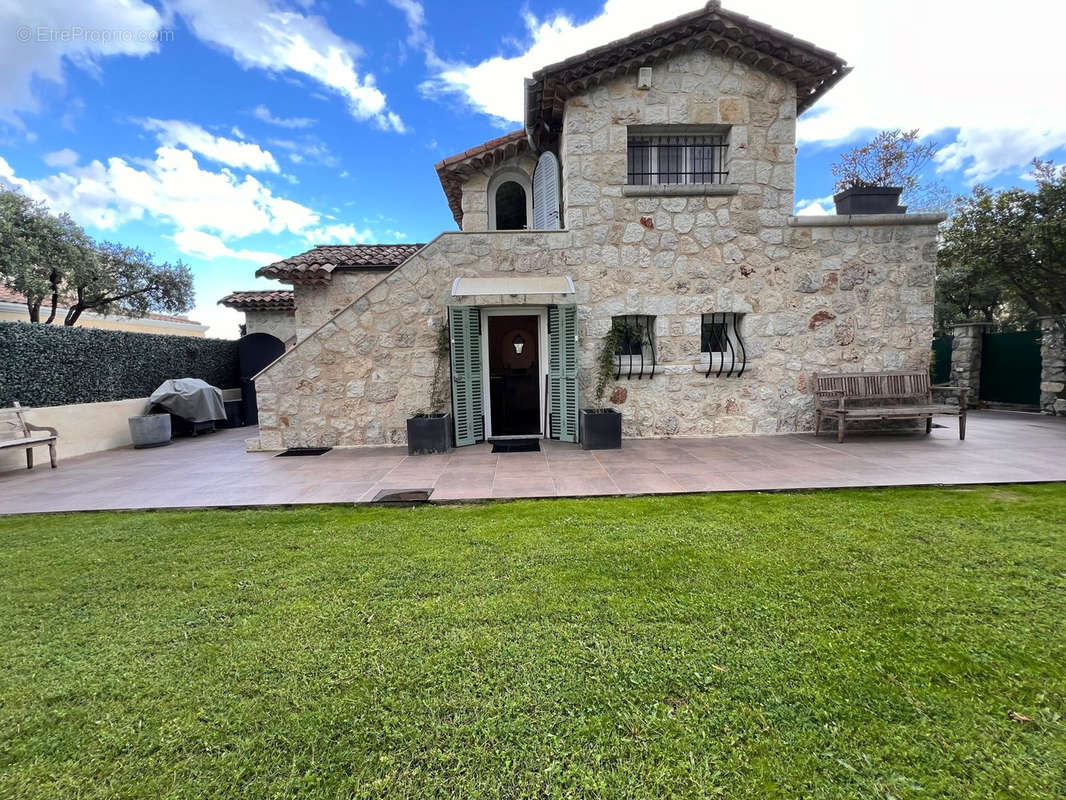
(961, 391)
(31, 427)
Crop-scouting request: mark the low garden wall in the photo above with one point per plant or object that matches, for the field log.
(87, 382)
(83, 428)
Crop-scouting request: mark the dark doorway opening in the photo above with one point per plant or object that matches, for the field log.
(510, 207)
(514, 375)
(1010, 368)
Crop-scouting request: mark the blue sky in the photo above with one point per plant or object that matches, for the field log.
(227, 133)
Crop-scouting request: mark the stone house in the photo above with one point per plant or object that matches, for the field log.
(650, 193)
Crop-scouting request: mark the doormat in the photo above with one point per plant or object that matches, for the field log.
(517, 446)
(305, 451)
(402, 497)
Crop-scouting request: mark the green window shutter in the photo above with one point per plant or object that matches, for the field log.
(562, 372)
(467, 406)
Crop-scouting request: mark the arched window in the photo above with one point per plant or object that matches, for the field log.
(510, 207)
(510, 201)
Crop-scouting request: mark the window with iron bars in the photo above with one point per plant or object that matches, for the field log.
(720, 339)
(679, 159)
(635, 348)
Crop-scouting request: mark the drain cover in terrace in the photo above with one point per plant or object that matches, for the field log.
(305, 451)
(402, 497)
(517, 446)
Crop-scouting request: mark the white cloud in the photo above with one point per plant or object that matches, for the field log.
(494, 86)
(341, 233)
(206, 246)
(171, 188)
(262, 113)
(982, 79)
(61, 158)
(307, 147)
(416, 21)
(982, 153)
(261, 35)
(174, 133)
(222, 322)
(817, 206)
(34, 48)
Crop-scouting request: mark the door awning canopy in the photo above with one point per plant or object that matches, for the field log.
(529, 284)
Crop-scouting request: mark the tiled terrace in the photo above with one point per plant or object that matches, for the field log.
(214, 470)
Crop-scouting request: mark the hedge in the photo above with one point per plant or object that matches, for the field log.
(53, 365)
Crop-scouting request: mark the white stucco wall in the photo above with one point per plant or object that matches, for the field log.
(83, 428)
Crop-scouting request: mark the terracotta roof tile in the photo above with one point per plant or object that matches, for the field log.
(454, 171)
(316, 265)
(812, 69)
(263, 300)
(9, 295)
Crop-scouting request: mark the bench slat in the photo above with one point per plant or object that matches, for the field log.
(27, 442)
(891, 411)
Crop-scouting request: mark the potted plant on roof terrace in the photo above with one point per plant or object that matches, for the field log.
(871, 177)
(430, 430)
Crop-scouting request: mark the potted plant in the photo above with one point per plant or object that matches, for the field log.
(150, 430)
(871, 178)
(601, 428)
(430, 431)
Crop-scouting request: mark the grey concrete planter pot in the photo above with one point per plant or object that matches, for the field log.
(430, 434)
(600, 429)
(869, 200)
(150, 430)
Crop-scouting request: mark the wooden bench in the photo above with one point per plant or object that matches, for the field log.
(882, 395)
(15, 431)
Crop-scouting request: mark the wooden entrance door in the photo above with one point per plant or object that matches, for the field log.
(514, 375)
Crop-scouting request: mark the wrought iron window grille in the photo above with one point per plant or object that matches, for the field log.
(635, 352)
(681, 159)
(720, 339)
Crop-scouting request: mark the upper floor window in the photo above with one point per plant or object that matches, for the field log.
(510, 201)
(686, 158)
(510, 207)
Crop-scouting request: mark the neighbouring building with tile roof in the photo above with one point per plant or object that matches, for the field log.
(271, 311)
(647, 203)
(13, 309)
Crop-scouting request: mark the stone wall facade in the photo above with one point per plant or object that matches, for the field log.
(318, 303)
(1053, 366)
(281, 324)
(813, 293)
(966, 344)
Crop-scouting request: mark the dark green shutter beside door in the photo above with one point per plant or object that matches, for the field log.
(562, 372)
(467, 405)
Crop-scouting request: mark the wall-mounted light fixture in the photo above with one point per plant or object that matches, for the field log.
(518, 343)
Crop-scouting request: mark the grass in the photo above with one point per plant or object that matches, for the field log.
(853, 644)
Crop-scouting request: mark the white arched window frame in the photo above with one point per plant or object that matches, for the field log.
(517, 176)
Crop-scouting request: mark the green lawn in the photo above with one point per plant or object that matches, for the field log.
(864, 644)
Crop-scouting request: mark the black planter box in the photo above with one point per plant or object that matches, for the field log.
(869, 200)
(600, 429)
(429, 434)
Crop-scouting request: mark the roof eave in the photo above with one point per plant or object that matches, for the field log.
(734, 35)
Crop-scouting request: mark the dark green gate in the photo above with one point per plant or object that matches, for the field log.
(1010, 368)
(941, 371)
